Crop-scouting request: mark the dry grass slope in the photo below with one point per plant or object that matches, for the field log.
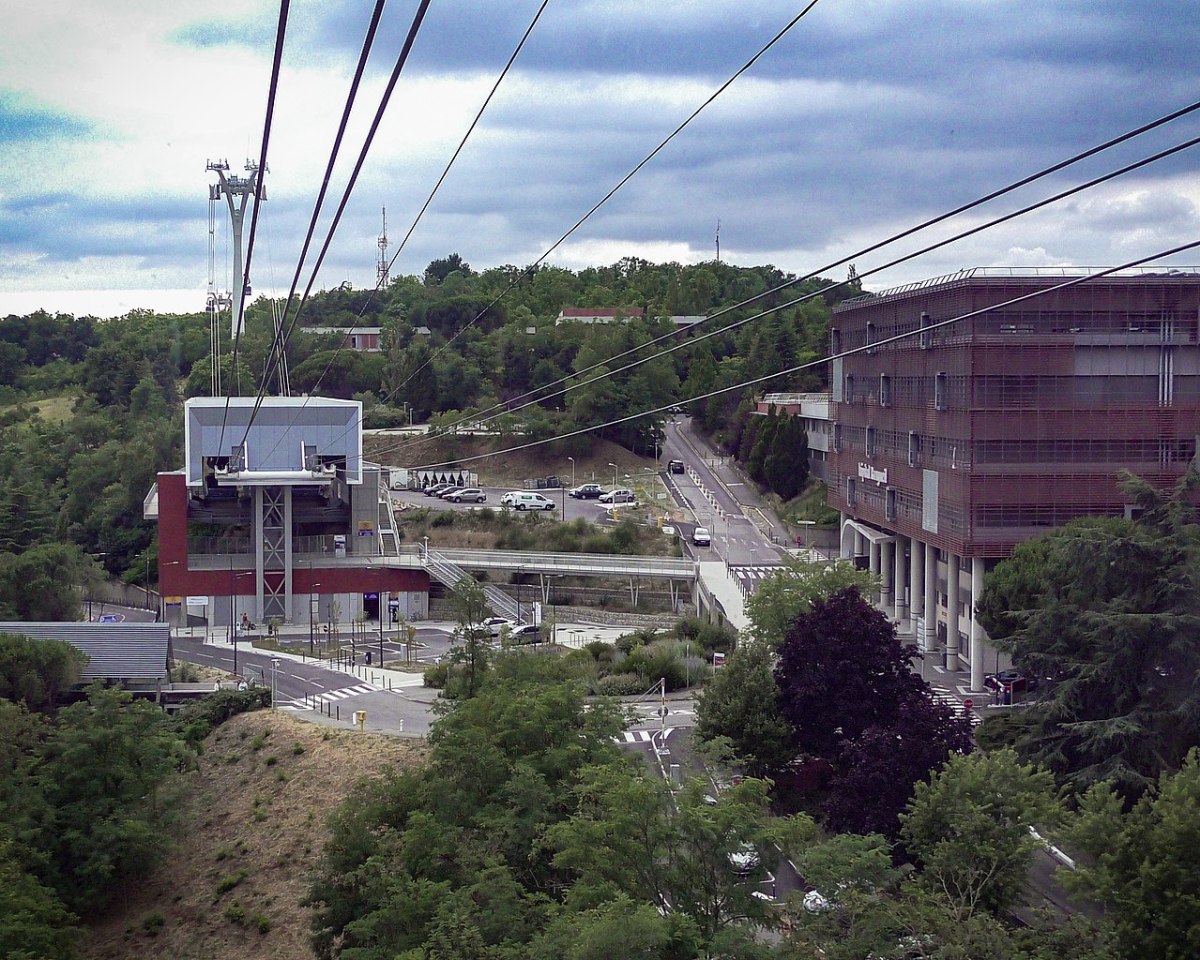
(251, 825)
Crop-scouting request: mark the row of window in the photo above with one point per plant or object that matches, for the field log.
(946, 392)
(896, 444)
(895, 504)
(1014, 322)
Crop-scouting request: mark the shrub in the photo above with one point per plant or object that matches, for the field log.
(153, 924)
(620, 685)
(197, 720)
(444, 519)
(235, 913)
(600, 651)
(229, 881)
(297, 749)
(261, 922)
(437, 675)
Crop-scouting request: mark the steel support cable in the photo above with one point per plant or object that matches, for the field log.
(280, 32)
(437, 186)
(808, 365)
(746, 66)
(1024, 181)
(608, 196)
(832, 286)
(275, 355)
(418, 17)
(441, 180)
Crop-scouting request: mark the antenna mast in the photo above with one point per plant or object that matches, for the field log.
(718, 241)
(381, 267)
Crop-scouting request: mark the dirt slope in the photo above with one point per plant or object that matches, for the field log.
(251, 824)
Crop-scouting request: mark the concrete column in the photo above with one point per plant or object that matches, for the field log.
(952, 571)
(885, 576)
(931, 601)
(900, 584)
(861, 547)
(873, 557)
(845, 550)
(916, 580)
(977, 643)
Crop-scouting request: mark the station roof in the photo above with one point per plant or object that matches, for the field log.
(130, 653)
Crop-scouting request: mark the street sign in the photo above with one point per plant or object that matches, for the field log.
(967, 705)
(718, 659)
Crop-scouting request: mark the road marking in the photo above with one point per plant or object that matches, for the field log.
(646, 736)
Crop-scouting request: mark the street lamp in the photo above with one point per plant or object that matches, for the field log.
(274, 674)
(312, 609)
(614, 466)
(572, 459)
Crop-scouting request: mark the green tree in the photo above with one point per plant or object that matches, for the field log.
(38, 672)
(792, 590)
(1107, 608)
(469, 650)
(102, 774)
(740, 703)
(34, 924)
(969, 827)
(44, 582)
(1142, 864)
(786, 465)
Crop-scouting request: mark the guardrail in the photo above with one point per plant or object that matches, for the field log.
(582, 564)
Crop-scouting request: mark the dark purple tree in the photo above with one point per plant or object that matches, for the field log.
(842, 671)
(847, 686)
(878, 771)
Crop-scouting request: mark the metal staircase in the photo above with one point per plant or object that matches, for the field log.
(389, 540)
(449, 574)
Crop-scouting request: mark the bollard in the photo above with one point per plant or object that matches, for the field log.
(401, 724)
(360, 717)
(339, 711)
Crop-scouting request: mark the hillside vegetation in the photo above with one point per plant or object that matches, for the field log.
(250, 826)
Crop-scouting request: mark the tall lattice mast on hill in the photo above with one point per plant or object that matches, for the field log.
(228, 186)
(381, 267)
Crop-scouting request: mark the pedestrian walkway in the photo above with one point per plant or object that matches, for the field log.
(750, 576)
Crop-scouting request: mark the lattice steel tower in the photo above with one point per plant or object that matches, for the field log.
(381, 268)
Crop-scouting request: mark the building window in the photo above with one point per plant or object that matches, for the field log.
(885, 390)
(939, 391)
(849, 391)
(835, 340)
(870, 336)
(914, 448)
(890, 503)
(851, 491)
(870, 444)
(837, 437)
(926, 334)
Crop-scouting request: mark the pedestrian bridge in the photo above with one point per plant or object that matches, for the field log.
(574, 564)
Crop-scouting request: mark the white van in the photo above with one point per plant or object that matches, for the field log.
(526, 500)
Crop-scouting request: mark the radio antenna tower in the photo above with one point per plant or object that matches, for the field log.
(230, 185)
(718, 241)
(381, 268)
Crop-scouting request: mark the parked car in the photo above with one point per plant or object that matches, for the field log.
(619, 495)
(675, 466)
(702, 537)
(525, 633)
(744, 860)
(526, 500)
(586, 491)
(437, 489)
(495, 625)
(1013, 679)
(473, 494)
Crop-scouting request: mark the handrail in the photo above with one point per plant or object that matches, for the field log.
(513, 560)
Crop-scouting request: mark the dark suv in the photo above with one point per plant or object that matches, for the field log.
(586, 491)
(675, 466)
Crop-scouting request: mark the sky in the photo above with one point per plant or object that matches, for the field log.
(865, 119)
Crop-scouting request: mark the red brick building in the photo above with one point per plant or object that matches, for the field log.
(956, 442)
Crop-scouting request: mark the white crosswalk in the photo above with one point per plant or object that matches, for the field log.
(646, 736)
(330, 696)
(956, 705)
(751, 576)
